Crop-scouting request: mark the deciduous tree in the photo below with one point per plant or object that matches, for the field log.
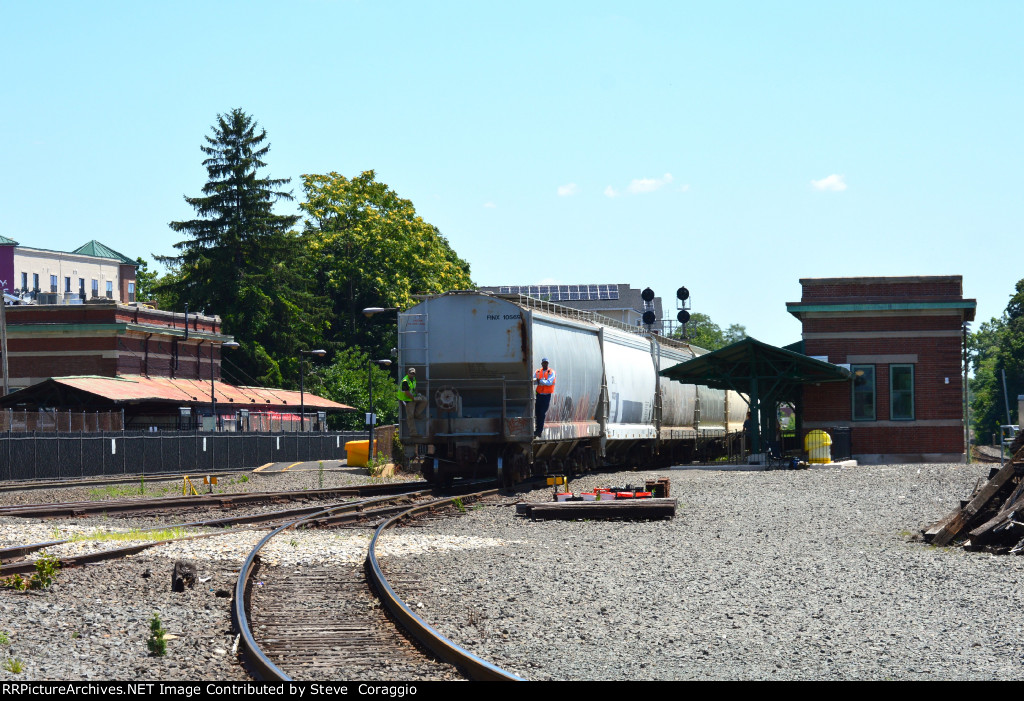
(371, 249)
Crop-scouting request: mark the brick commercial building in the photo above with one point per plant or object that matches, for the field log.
(902, 338)
(147, 363)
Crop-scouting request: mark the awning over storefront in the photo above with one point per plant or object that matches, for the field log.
(766, 375)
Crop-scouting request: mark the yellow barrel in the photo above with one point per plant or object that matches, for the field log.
(818, 446)
(358, 453)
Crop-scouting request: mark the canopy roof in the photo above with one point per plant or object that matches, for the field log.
(775, 370)
(91, 390)
(764, 373)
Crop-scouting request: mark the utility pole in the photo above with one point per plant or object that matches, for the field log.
(3, 341)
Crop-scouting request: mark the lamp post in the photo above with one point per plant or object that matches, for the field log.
(319, 352)
(369, 383)
(213, 396)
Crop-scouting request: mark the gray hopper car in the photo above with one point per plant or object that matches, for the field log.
(475, 355)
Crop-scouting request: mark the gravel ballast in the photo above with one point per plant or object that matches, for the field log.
(761, 575)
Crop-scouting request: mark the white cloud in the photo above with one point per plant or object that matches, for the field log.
(649, 184)
(833, 183)
(567, 190)
(489, 205)
(610, 192)
(684, 188)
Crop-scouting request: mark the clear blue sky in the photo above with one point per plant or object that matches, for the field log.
(732, 147)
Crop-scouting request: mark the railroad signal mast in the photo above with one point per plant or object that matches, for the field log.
(683, 305)
(649, 316)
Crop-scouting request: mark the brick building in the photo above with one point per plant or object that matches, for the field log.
(109, 339)
(902, 338)
(144, 362)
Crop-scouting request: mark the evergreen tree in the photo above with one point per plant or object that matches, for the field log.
(241, 260)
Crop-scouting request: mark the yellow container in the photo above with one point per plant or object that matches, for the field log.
(358, 453)
(818, 445)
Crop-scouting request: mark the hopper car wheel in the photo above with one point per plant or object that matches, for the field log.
(427, 470)
(520, 470)
(445, 477)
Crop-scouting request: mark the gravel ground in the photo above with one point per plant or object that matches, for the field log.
(779, 575)
(92, 624)
(761, 575)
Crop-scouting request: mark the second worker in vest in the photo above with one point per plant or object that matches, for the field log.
(415, 404)
(545, 379)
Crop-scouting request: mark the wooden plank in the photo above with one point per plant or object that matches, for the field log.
(640, 509)
(983, 533)
(964, 516)
(524, 508)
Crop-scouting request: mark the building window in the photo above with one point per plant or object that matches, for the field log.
(110, 290)
(863, 392)
(24, 282)
(95, 288)
(35, 282)
(53, 283)
(67, 284)
(901, 392)
(131, 291)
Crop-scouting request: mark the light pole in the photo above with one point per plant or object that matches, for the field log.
(319, 352)
(213, 396)
(369, 383)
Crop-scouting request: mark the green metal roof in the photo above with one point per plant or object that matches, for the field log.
(98, 250)
(4, 241)
(764, 373)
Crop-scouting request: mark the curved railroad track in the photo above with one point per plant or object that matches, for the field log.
(329, 621)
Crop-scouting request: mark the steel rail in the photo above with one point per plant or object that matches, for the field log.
(11, 562)
(265, 669)
(83, 508)
(475, 667)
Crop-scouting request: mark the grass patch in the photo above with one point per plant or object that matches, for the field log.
(5, 639)
(13, 665)
(133, 534)
(113, 491)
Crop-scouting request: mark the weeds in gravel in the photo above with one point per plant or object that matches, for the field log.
(47, 567)
(75, 635)
(133, 534)
(156, 643)
(15, 582)
(457, 503)
(5, 639)
(13, 665)
(320, 474)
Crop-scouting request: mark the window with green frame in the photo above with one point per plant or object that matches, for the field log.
(901, 392)
(863, 392)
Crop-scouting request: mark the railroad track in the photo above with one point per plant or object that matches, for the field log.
(338, 621)
(202, 501)
(370, 510)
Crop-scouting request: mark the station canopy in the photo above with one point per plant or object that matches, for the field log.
(765, 374)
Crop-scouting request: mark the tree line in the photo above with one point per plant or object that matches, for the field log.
(280, 289)
(996, 350)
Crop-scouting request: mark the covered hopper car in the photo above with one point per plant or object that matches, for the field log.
(475, 355)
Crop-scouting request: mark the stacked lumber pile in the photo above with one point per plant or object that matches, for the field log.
(993, 518)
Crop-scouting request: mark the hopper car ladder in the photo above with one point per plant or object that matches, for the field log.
(413, 355)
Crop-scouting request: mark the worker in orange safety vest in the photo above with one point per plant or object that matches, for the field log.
(545, 379)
